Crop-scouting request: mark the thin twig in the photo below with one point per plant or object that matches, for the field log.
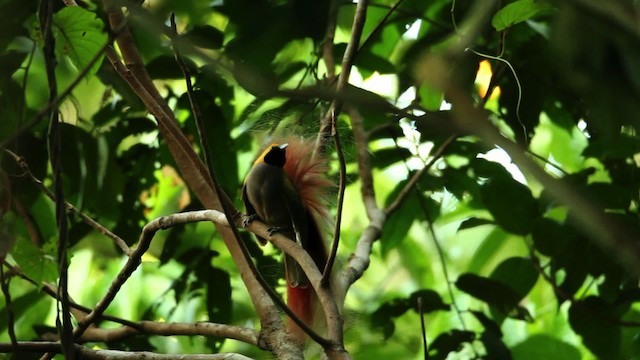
(195, 108)
(361, 258)
(425, 348)
(343, 79)
(327, 46)
(326, 274)
(409, 186)
(63, 316)
(131, 328)
(379, 26)
(226, 206)
(35, 119)
(4, 283)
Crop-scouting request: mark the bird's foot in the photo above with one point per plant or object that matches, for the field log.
(274, 229)
(247, 219)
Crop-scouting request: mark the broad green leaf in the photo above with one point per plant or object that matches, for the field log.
(449, 342)
(489, 248)
(518, 273)
(493, 292)
(38, 264)
(495, 347)
(619, 147)
(430, 98)
(431, 301)
(550, 237)
(593, 319)
(473, 222)
(205, 36)
(382, 318)
(398, 224)
(609, 196)
(79, 35)
(511, 204)
(544, 346)
(517, 12)
(386, 157)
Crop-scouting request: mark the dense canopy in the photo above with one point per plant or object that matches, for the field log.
(484, 153)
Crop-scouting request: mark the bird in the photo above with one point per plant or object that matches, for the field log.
(286, 189)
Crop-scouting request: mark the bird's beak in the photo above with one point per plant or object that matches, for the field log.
(283, 146)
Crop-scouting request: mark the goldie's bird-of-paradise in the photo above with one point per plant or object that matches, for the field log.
(285, 189)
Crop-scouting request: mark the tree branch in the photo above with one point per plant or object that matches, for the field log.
(361, 258)
(343, 79)
(91, 354)
(191, 168)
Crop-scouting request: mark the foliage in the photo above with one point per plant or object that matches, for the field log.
(503, 264)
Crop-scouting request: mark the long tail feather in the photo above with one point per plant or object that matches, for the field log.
(308, 174)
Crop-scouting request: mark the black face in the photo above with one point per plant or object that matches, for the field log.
(276, 156)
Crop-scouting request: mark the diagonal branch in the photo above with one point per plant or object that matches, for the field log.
(360, 260)
(343, 79)
(191, 167)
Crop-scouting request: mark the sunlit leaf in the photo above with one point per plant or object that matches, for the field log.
(79, 35)
(38, 264)
(517, 12)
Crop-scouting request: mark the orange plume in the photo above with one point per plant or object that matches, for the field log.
(308, 175)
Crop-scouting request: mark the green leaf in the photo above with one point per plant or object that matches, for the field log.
(517, 12)
(382, 318)
(489, 249)
(79, 35)
(38, 264)
(431, 301)
(550, 237)
(493, 292)
(543, 346)
(619, 147)
(495, 347)
(593, 320)
(449, 342)
(511, 204)
(609, 196)
(518, 273)
(386, 157)
(398, 224)
(205, 36)
(473, 222)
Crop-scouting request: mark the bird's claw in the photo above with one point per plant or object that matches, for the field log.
(247, 219)
(274, 229)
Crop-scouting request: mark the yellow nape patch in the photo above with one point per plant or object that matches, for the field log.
(260, 159)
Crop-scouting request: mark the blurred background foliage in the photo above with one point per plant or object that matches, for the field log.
(500, 267)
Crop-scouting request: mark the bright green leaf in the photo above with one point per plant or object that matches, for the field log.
(79, 35)
(516, 12)
(543, 346)
(37, 264)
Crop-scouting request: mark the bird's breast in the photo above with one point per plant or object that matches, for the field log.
(268, 191)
